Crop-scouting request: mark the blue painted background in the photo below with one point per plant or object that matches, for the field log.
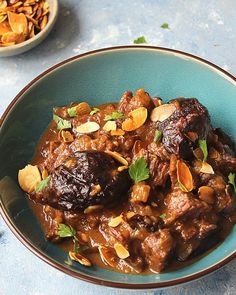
(204, 28)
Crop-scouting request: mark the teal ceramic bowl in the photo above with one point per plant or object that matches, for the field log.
(98, 77)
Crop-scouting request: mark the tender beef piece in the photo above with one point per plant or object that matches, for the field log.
(157, 248)
(86, 179)
(189, 116)
(180, 204)
(195, 229)
(225, 196)
(225, 140)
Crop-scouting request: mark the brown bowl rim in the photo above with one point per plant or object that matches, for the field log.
(81, 276)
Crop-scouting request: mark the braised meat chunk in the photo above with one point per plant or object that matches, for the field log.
(136, 186)
(190, 121)
(158, 248)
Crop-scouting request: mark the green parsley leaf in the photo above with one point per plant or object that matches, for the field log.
(157, 136)
(65, 231)
(139, 171)
(72, 111)
(231, 180)
(42, 184)
(203, 146)
(165, 26)
(163, 216)
(94, 111)
(61, 123)
(140, 40)
(114, 116)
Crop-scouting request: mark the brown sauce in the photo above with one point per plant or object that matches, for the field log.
(154, 216)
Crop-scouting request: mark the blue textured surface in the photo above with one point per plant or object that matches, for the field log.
(204, 29)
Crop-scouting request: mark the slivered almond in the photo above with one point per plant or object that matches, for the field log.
(130, 214)
(135, 120)
(122, 168)
(162, 112)
(29, 177)
(184, 176)
(66, 136)
(115, 221)
(118, 132)
(121, 251)
(118, 157)
(44, 174)
(92, 209)
(79, 258)
(96, 188)
(88, 127)
(109, 126)
(206, 168)
(107, 256)
(83, 108)
(18, 23)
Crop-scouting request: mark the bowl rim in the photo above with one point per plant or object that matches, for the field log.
(51, 21)
(84, 277)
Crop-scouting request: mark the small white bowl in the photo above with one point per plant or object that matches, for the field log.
(34, 41)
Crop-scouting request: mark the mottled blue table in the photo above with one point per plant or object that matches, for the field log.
(204, 28)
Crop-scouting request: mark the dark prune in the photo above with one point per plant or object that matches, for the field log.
(86, 179)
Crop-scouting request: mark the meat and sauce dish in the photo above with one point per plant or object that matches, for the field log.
(136, 186)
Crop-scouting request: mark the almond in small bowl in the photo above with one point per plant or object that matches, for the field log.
(21, 28)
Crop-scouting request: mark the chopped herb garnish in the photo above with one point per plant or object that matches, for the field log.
(157, 136)
(140, 40)
(203, 146)
(65, 231)
(72, 111)
(42, 184)
(94, 111)
(139, 171)
(165, 26)
(163, 216)
(61, 123)
(114, 116)
(231, 180)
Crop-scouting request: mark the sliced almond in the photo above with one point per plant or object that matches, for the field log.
(115, 221)
(206, 168)
(107, 256)
(184, 176)
(92, 209)
(122, 168)
(44, 174)
(121, 251)
(66, 136)
(162, 112)
(18, 23)
(12, 37)
(118, 132)
(29, 177)
(130, 214)
(88, 127)
(79, 258)
(83, 108)
(136, 119)
(109, 126)
(4, 28)
(118, 157)
(96, 188)
(206, 193)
